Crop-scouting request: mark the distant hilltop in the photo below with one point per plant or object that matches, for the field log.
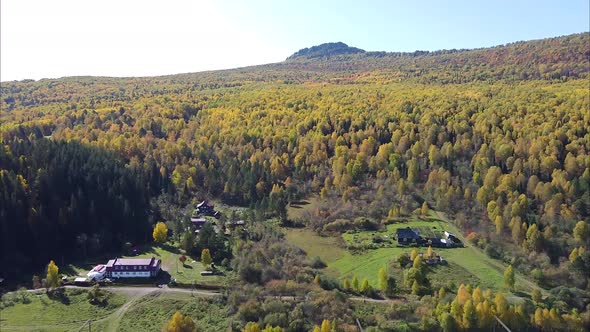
(325, 50)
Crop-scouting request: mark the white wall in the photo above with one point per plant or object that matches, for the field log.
(130, 274)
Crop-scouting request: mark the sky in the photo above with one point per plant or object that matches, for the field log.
(57, 38)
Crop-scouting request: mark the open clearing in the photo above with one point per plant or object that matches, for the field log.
(47, 314)
(128, 309)
(467, 264)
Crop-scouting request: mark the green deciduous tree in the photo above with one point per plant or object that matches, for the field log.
(355, 284)
(509, 278)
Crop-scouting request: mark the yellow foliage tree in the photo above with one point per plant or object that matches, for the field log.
(206, 259)
(463, 294)
(251, 327)
(477, 295)
(424, 209)
(413, 254)
(160, 232)
(52, 274)
(180, 323)
(429, 252)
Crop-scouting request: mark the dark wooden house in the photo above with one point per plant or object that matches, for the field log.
(409, 236)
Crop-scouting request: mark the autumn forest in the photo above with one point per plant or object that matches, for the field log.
(498, 139)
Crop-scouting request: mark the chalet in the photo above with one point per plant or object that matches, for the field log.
(409, 236)
(133, 267)
(198, 222)
(207, 209)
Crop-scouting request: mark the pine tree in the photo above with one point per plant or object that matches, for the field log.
(326, 326)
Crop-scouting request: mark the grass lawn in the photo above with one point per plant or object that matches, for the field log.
(297, 210)
(467, 265)
(427, 227)
(46, 314)
(151, 312)
(325, 247)
(189, 273)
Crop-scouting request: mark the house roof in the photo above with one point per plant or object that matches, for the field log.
(407, 233)
(198, 220)
(204, 204)
(133, 261)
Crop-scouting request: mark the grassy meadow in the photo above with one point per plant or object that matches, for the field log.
(39, 312)
(152, 311)
(465, 265)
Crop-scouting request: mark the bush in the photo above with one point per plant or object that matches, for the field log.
(492, 252)
(338, 225)
(317, 263)
(366, 224)
(329, 283)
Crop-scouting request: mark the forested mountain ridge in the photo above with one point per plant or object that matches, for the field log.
(498, 138)
(546, 59)
(326, 50)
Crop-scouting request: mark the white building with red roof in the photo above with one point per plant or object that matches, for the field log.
(133, 267)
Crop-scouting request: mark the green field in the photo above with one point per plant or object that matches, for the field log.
(325, 247)
(144, 310)
(151, 312)
(189, 273)
(47, 314)
(469, 264)
(427, 227)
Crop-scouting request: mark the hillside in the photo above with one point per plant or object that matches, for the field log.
(496, 138)
(325, 50)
